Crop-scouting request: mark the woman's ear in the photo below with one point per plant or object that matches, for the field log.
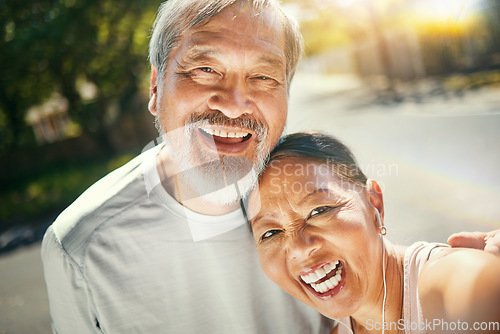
(153, 91)
(375, 196)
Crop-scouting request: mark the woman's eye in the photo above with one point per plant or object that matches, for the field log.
(319, 210)
(269, 234)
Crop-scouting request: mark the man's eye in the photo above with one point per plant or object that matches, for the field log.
(319, 210)
(269, 234)
(207, 69)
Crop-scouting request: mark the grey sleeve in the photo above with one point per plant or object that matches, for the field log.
(69, 297)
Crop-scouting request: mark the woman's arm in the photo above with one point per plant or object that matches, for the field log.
(461, 285)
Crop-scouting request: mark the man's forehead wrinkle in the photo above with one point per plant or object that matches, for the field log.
(276, 61)
(196, 51)
(200, 37)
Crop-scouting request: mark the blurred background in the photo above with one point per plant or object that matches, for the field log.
(413, 86)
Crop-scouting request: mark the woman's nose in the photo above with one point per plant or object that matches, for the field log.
(302, 245)
(232, 98)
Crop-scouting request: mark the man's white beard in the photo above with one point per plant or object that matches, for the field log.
(221, 180)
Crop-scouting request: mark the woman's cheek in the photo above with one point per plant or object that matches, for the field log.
(270, 262)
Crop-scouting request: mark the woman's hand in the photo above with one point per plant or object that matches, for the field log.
(489, 241)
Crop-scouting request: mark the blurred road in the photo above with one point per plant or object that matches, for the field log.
(24, 305)
(436, 162)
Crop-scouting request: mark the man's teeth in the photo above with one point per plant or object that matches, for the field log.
(320, 273)
(222, 133)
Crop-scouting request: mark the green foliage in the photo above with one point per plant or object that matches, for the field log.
(52, 45)
(23, 75)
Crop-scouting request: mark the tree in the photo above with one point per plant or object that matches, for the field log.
(53, 45)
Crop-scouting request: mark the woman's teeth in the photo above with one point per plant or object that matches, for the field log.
(328, 284)
(222, 133)
(319, 273)
(322, 272)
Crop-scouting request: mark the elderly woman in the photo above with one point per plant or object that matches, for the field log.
(318, 224)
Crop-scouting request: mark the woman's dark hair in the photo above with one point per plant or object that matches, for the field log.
(323, 149)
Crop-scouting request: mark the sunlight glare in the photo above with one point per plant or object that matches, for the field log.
(443, 10)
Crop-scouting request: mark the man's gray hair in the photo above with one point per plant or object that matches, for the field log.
(175, 17)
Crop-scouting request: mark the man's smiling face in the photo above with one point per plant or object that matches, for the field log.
(223, 99)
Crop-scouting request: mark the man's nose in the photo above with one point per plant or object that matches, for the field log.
(302, 245)
(233, 98)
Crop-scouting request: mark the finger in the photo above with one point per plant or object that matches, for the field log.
(493, 244)
(468, 239)
(493, 234)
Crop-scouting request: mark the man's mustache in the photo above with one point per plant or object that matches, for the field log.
(245, 121)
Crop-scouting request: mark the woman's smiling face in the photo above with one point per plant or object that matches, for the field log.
(317, 236)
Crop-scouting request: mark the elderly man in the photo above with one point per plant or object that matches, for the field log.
(161, 244)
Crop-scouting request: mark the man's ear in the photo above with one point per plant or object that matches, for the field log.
(375, 196)
(153, 91)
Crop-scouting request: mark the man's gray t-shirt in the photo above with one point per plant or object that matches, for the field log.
(125, 257)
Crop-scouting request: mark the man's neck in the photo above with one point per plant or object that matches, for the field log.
(177, 187)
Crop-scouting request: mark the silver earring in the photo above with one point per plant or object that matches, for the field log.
(382, 229)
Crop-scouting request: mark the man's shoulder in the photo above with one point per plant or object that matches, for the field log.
(111, 196)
